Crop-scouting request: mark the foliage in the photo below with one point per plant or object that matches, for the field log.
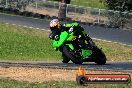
(120, 5)
(120, 19)
(20, 4)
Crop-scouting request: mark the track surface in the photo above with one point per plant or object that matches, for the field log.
(109, 34)
(118, 66)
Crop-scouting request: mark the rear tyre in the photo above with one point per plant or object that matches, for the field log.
(101, 61)
(71, 56)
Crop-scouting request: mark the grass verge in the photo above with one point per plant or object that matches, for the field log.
(20, 43)
(9, 83)
(88, 3)
(115, 52)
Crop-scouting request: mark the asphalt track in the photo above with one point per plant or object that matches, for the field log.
(110, 66)
(109, 34)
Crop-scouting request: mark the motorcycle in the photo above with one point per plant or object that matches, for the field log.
(78, 50)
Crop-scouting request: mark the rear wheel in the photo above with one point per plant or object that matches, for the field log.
(101, 61)
(71, 56)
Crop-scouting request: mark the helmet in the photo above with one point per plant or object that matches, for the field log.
(54, 24)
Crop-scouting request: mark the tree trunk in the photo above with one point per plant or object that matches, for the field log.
(62, 9)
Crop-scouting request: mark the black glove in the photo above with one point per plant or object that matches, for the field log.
(51, 36)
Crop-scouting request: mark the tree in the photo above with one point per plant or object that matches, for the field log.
(119, 18)
(120, 5)
(62, 9)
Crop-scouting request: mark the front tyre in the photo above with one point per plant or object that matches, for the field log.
(74, 59)
(100, 57)
(65, 59)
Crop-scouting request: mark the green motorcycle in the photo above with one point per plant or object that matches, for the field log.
(78, 50)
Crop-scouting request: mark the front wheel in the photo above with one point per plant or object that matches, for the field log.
(99, 55)
(73, 58)
(65, 59)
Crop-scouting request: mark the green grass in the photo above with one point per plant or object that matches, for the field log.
(19, 43)
(88, 3)
(116, 52)
(9, 83)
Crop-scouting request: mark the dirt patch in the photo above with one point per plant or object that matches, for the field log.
(45, 74)
(45, 11)
(37, 74)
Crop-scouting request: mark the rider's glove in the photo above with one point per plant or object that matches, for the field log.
(51, 36)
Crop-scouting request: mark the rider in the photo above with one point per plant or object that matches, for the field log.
(56, 28)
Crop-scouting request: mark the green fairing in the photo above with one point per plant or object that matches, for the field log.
(75, 24)
(86, 53)
(71, 46)
(63, 37)
(72, 24)
(71, 36)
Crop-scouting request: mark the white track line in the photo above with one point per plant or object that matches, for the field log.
(92, 37)
(111, 41)
(25, 26)
(31, 27)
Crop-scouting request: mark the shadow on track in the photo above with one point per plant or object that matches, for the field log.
(109, 66)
